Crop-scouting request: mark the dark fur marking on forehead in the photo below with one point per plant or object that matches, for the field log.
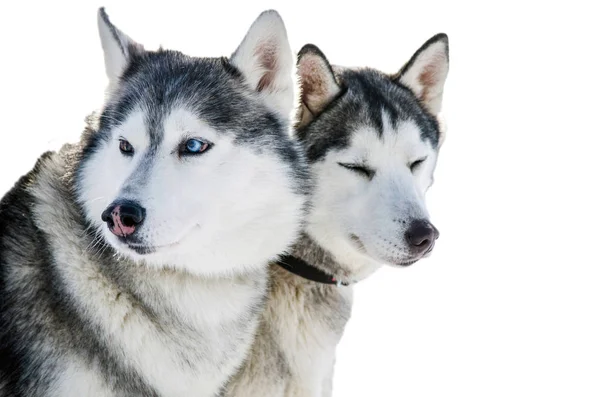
(212, 88)
(158, 82)
(368, 95)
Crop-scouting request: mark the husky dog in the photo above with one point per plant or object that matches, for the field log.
(372, 142)
(135, 262)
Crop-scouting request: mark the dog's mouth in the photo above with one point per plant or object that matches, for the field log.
(406, 263)
(142, 249)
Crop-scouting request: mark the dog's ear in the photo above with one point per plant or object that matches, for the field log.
(317, 83)
(265, 60)
(425, 73)
(118, 48)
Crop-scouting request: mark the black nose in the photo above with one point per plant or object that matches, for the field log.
(132, 214)
(123, 217)
(421, 236)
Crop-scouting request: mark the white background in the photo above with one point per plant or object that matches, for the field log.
(509, 303)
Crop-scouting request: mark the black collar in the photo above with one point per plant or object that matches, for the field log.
(307, 271)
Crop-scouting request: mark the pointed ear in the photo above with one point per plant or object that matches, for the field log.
(317, 83)
(118, 48)
(425, 73)
(265, 60)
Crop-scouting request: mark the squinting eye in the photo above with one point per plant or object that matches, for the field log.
(413, 166)
(359, 169)
(125, 147)
(194, 146)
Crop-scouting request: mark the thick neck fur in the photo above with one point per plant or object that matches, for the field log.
(307, 249)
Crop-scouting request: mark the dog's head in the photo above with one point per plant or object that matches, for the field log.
(372, 141)
(192, 165)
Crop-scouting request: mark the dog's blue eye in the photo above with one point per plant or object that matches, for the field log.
(125, 147)
(195, 146)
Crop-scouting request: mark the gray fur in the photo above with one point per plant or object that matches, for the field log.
(302, 320)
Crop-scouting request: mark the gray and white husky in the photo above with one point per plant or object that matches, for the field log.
(135, 262)
(372, 141)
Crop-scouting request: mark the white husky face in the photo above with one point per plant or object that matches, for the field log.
(194, 170)
(372, 141)
(363, 216)
(229, 206)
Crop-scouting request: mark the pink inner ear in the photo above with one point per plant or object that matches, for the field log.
(429, 78)
(267, 53)
(317, 86)
(312, 79)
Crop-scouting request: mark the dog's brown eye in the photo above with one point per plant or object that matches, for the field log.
(415, 164)
(359, 169)
(125, 147)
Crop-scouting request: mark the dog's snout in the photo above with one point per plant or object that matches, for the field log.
(421, 236)
(124, 217)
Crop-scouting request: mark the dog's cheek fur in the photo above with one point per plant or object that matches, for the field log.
(245, 227)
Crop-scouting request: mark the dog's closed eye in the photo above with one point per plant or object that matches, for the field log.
(415, 164)
(359, 169)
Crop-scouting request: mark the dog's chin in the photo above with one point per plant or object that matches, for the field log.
(408, 261)
(404, 263)
(401, 261)
(362, 248)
